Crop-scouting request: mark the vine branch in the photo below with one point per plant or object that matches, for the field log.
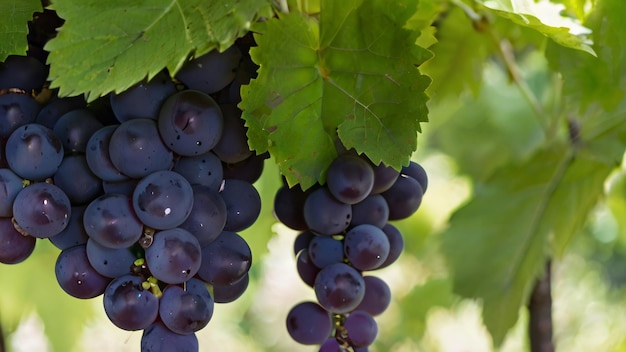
(540, 310)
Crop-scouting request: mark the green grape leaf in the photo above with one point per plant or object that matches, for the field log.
(107, 46)
(545, 17)
(589, 80)
(347, 75)
(513, 219)
(14, 26)
(459, 56)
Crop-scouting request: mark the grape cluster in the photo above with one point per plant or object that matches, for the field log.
(144, 192)
(344, 233)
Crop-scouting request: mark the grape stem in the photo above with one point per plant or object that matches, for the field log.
(540, 310)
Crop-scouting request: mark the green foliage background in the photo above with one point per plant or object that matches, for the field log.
(524, 144)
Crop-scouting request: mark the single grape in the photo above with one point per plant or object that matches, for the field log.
(308, 323)
(174, 256)
(158, 338)
(225, 260)
(42, 210)
(98, 158)
(10, 186)
(34, 152)
(75, 178)
(249, 170)
(232, 147)
(212, 71)
(204, 169)
(384, 178)
(302, 241)
(403, 198)
(377, 296)
(372, 210)
(339, 288)
(128, 305)
(243, 204)
(16, 110)
(163, 200)
(396, 244)
(416, 171)
(109, 262)
(190, 122)
(136, 149)
(326, 215)
(111, 221)
(76, 276)
(366, 247)
(186, 310)
(75, 128)
(324, 250)
(289, 207)
(349, 178)
(14, 247)
(306, 269)
(74, 233)
(229, 293)
(208, 215)
(361, 327)
(22, 72)
(144, 99)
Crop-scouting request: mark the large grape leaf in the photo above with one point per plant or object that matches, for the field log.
(108, 46)
(545, 17)
(351, 75)
(14, 26)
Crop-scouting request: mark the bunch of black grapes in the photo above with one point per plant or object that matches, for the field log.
(143, 192)
(345, 234)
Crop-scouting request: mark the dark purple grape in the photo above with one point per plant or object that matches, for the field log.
(74, 233)
(212, 71)
(396, 244)
(163, 200)
(243, 204)
(366, 247)
(208, 215)
(144, 99)
(384, 178)
(14, 247)
(34, 152)
(377, 296)
(232, 147)
(225, 260)
(372, 210)
(350, 178)
(403, 198)
(339, 288)
(308, 323)
(76, 276)
(10, 186)
(190, 122)
(186, 310)
(22, 72)
(98, 158)
(57, 107)
(109, 262)
(289, 207)
(416, 171)
(248, 170)
(302, 241)
(42, 210)
(204, 169)
(75, 128)
(324, 250)
(75, 178)
(229, 293)
(174, 256)
(306, 269)
(16, 110)
(136, 149)
(158, 338)
(361, 327)
(331, 345)
(326, 215)
(128, 305)
(111, 221)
